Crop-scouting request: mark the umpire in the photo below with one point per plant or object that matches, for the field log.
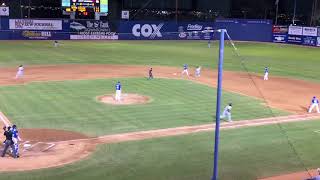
(8, 142)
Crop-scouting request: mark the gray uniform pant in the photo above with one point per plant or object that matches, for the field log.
(8, 144)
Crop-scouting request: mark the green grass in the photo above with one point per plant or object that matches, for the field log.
(71, 105)
(283, 60)
(245, 154)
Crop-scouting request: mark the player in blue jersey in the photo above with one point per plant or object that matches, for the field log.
(16, 139)
(185, 69)
(118, 91)
(266, 74)
(314, 104)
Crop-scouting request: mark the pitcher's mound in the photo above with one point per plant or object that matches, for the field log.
(126, 99)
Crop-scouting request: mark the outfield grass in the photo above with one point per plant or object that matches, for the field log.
(283, 60)
(71, 105)
(245, 154)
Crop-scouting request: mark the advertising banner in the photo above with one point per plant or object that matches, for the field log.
(4, 11)
(295, 30)
(310, 31)
(280, 29)
(91, 29)
(294, 39)
(280, 38)
(195, 31)
(318, 31)
(309, 41)
(34, 24)
(158, 30)
(318, 41)
(38, 35)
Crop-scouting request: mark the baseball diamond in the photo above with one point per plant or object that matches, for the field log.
(73, 127)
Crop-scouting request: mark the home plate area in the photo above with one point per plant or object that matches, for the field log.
(36, 146)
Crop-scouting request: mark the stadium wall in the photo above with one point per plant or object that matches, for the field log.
(239, 29)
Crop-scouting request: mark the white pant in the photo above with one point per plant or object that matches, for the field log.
(118, 95)
(185, 71)
(312, 106)
(266, 76)
(198, 73)
(19, 74)
(226, 114)
(16, 145)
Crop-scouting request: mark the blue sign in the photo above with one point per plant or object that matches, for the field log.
(309, 40)
(280, 38)
(294, 39)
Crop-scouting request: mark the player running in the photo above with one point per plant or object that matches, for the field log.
(185, 70)
(314, 104)
(198, 71)
(227, 112)
(118, 91)
(266, 74)
(150, 74)
(20, 72)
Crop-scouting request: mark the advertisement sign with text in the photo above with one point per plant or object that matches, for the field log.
(310, 31)
(280, 29)
(34, 24)
(295, 30)
(318, 41)
(309, 41)
(280, 38)
(91, 29)
(38, 35)
(294, 39)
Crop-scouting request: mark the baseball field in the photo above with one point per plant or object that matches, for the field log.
(164, 128)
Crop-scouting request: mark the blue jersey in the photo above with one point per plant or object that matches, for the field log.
(315, 101)
(266, 70)
(15, 133)
(118, 86)
(185, 66)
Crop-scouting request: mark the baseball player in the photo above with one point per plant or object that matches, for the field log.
(8, 142)
(209, 43)
(185, 70)
(314, 104)
(16, 139)
(150, 74)
(227, 112)
(198, 71)
(56, 43)
(266, 74)
(118, 91)
(20, 72)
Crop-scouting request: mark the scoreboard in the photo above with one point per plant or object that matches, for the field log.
(85, 6)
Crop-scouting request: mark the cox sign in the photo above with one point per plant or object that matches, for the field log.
(147, 30)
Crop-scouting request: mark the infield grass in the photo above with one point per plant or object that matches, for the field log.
(245, 154)
(71, 105)
(283, 60)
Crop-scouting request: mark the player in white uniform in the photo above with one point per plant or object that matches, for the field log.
(266, 74)
(314, 104)
(185, 69)
(227, 112)
(56, 43)
(118, 91)
(20, 72)
(198, 71)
